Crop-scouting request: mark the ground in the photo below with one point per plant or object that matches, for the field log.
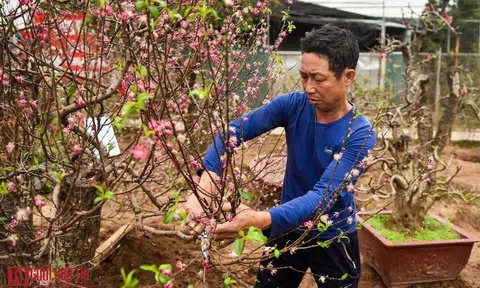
(138, 248)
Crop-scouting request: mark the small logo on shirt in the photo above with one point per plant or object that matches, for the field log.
(326, 150)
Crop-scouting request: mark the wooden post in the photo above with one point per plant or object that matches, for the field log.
(437, 86)
(457, 47)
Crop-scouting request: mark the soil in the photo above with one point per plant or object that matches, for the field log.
(138, 248)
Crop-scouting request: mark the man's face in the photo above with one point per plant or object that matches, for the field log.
(323, 89)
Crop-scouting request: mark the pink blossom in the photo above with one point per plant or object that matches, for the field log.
(11, 187)
(10, 146)
(336, 214)
(232, 141)
(351, 187)
(20, 179)
(53, 128)
(39, 202)
(196, 165)
(425, 177)
(23, 214)
(167, 272)
(140, 152)
(80, 89)
(12, 223)
(80, 103)
(40, 233)
(169, 284)
(308, 224)
(179, 265)
(13, 238)
(228, 3)
(33, 104)
(350, 220)
(21, 103)
(337, 156)
(427, 8)
(229, 217)
(206, 263)
(465, 90)
(20, 79)
(431, 163)
(289, 2)
(76, 149)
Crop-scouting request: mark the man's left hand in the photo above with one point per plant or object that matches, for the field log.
(242, 221)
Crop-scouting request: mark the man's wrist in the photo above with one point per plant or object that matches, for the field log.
(262, 219)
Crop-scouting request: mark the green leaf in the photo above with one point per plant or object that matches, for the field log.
(109, 194)
(127, 108)
(128, 280)
(152, 268)
(256, 234)
(97, 200)
(154, 11)
(344, 276)
(359, 226)
(247, 195)
(238, 246)
(59, 263)
(162, 278)
(59, 176)
(197, 92)
(139, 5)
(187, 11)
(3, 219)
(169, 216)
(277, 253)
(228, 282)
(321, 227)
(71, 90)
(147, 131)
(162, 3)
(165, 266)
(190, 286)
(142, 97)
(324, 244)
(140, 71)
(99, 188)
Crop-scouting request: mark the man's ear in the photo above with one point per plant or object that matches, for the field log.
(349, 75)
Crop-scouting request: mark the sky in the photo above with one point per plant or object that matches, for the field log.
(393, 8)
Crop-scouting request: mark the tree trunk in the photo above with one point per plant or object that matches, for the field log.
(78, 245)
(445, 125)
(406, 217)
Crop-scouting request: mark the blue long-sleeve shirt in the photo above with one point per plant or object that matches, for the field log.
(310, 163)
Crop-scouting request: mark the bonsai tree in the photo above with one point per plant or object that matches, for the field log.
(411, 163)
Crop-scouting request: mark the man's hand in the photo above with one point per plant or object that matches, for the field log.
(244, 219)
(192, 206)
(206, 189)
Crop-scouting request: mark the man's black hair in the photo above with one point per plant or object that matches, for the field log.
(338, 45)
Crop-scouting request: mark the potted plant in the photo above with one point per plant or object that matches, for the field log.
(415, 173)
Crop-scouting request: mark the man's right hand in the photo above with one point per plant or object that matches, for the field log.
(206, 188)
(193, 207)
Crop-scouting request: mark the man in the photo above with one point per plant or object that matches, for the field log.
(317, 122)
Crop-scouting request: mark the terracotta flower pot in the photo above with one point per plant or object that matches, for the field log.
(403, 264)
